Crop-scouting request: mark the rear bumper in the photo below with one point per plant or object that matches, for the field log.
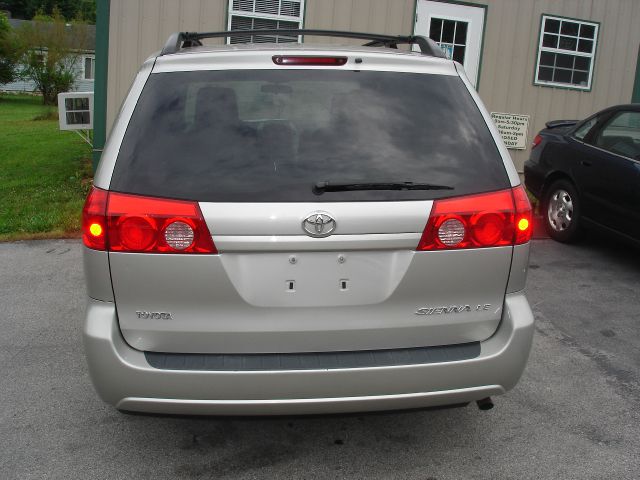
(123, 377)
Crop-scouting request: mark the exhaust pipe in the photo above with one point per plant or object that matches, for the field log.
(485, 403)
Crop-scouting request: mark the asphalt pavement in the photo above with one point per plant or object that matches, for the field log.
(574, 415)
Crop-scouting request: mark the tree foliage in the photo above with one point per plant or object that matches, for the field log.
(49, 47)
(84, 10)
(9, 52)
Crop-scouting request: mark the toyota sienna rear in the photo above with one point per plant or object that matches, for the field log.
(293, 229)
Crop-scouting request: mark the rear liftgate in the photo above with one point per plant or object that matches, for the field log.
(303, 277)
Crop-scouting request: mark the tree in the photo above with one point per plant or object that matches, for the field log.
(24, 9)
(49, 48)
(9, 52)
(86, 11)
(69, 9)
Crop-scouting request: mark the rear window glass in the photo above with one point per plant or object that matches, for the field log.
(271, 135)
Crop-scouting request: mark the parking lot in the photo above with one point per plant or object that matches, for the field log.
(575, 413)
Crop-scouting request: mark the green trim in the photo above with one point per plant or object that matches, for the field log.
(415, 16)
(593, 63)
(635, 95)
(535, 66)
(304, 16)
(562, 17)
(100, 81)
(595, 57)
(227, 20)
(484, 27)
(484, 31)
(460, 2)
(304, 19)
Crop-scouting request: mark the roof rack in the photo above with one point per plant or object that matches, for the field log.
(427, 46)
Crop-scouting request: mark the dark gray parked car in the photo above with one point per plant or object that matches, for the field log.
(587, 174)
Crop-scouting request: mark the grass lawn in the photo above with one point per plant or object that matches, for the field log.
(44, 172)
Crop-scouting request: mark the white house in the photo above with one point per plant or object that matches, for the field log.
(84, 65)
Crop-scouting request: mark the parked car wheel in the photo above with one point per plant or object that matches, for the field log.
(561, 209)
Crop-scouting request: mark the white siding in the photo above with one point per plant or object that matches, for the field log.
(20, 86)
(80, 85)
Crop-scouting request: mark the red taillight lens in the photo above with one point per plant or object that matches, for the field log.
(131, 223)
(94, 221)
(309, 61)
(478, 221)
(136, 234)
(156, 225)
(536, 141)
(524, 215)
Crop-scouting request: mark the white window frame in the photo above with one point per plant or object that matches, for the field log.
(454, 44)
(265, 16)
(62, 110)
(591, 56)
(84, 69)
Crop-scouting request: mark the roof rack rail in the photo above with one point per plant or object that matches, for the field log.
(427, 46)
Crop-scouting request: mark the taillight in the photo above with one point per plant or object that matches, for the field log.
(478, 221)
(524, 215)
(94, 220)
(536, 141)
(132, 223)
(288, 60)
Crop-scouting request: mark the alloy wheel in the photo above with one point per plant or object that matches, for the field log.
(560, 210)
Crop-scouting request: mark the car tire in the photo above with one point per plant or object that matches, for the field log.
(561, 212)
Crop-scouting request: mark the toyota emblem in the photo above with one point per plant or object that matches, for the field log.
(319, 224)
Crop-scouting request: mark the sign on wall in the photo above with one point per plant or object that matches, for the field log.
(513, 129)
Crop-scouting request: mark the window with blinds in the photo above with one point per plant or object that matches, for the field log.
(265, 14)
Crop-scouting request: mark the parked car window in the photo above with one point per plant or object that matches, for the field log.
(582, 131)
(621, 135)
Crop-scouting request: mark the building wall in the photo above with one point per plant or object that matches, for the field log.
(510, 51)
(20, 86)
(137, 29)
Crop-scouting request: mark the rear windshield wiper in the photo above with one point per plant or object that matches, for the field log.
(320, 187)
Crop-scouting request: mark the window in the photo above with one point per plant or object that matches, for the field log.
(78, 112)
(566, 53)
(89, 68)
(451, 35)
(621, 135)
(586, 127)
(265, 14)
(270, 135)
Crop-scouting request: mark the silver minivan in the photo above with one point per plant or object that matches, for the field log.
(294, 228)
